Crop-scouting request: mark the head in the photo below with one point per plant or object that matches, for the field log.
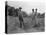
(20, 8)
(33, 10)
(36, 9)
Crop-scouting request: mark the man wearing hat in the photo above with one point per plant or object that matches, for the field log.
(20, 18)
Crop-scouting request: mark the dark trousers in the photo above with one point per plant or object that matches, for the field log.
(21, 21)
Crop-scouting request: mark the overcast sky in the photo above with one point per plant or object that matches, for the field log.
(28, 5)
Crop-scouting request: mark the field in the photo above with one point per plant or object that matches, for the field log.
(13, 25)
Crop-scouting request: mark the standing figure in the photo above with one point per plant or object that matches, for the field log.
(33, 17)
(32, 14)
(20, 18)
(36, 15)
(37, 22)
(19, 14)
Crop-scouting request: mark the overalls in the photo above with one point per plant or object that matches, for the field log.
(21, 19)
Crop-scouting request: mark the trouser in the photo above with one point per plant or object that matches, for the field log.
(36, 22)
(33, 21)
(21, 22)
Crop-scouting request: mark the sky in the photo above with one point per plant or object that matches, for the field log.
(27, 6)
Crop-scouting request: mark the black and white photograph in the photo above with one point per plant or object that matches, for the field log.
(24, 17)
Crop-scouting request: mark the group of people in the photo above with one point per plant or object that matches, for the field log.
(19, 14)
(34, 16)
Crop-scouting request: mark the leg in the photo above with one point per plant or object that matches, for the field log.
(21, 22)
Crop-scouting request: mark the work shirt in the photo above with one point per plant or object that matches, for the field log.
(20, 15)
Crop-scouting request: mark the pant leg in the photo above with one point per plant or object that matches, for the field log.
(21, 22)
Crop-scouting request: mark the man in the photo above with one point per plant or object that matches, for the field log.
(19, 14)
(33, 17)
(20, 18)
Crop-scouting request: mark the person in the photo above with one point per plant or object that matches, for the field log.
(20, 18)
(33, 14)
(33, 17)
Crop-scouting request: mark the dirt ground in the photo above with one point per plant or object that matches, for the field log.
(13, 25)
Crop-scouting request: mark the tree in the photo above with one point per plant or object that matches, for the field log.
(24, 14)
(41, 15)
